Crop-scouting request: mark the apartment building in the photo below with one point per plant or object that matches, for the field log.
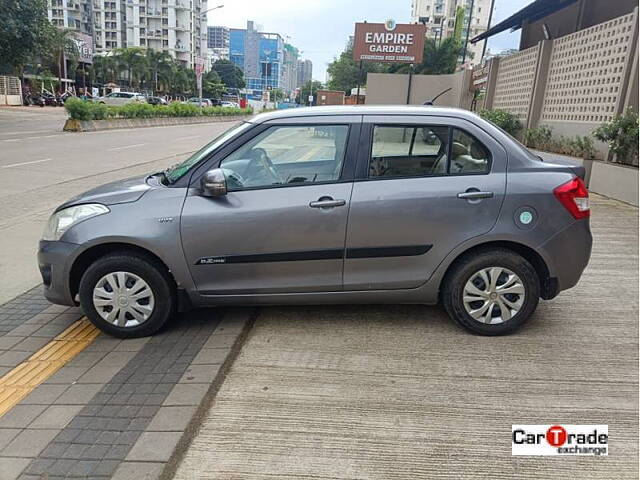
(305, 71)
(440, 17)
(290, 68)
(218, 43)
(178, 27)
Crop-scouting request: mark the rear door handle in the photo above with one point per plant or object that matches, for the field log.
(475, 195)
(327, 202)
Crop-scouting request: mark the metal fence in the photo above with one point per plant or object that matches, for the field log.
(10, 90)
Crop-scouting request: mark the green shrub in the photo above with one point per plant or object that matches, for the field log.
(507, 121)
(621, 135)
(99, 110)
(542, 138)
(83, 110)
(538, 137)
(79, 109)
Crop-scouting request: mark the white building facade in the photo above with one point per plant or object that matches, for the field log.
(439, 16)
(178, 27)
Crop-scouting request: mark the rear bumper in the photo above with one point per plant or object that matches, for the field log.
(54, 262)
(567, 254)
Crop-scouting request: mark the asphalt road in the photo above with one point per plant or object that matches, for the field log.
(399, 392)
(41, 166)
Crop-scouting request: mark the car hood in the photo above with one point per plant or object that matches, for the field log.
(121, 191)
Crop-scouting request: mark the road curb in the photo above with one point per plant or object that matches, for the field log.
(72, 125)
(195, 423)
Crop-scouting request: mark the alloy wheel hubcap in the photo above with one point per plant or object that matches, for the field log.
(493, 295)
(123, 299)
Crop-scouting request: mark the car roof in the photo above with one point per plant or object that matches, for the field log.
(365, 110)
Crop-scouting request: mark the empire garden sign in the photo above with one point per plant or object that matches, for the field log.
(389, 42)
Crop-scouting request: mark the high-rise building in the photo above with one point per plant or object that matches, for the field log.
(290, 68)
(175, 26)
(305, 72)
(259, 55)
(218, 43)
(439, 16)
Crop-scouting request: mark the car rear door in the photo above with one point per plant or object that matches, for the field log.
(423, 185)
(276, 236)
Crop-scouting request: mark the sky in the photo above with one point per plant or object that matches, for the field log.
(321, 28)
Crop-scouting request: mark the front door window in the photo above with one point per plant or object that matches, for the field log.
(288, 156)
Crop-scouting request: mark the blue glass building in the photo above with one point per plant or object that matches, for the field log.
(259, 55)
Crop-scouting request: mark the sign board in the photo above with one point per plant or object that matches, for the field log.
(389, 42)
(199, 64)
(479, 77)
(84, 44)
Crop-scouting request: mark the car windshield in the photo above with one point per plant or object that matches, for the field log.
(178, 170)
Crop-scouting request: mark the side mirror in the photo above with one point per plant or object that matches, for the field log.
(213, 183)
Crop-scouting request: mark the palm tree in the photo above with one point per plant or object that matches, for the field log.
(156, 61)
(439, 58)
(132, 61)
(62, 46)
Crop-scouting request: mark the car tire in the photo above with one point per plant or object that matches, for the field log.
(142, 275)
(471, 278)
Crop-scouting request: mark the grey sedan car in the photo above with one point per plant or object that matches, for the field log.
(328, 205)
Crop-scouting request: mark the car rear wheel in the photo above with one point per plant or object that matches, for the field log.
(491, 293)
(127, 295)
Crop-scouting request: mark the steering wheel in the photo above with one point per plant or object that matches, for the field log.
(261, 163)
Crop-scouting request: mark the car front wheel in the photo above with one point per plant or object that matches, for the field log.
(491, 293)
(127, 295)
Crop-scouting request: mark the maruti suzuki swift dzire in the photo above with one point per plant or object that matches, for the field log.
(320, 205)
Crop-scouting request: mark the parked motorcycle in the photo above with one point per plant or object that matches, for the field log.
(38, 99)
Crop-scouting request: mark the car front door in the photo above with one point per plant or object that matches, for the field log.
(281, 227)
(424, 185)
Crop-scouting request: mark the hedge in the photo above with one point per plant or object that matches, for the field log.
(83, 110)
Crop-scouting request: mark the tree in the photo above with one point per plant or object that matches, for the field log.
(230, 74)
(344, 72)
(132, 60)
(439, 58)
(276, 94)
(309, 88)
(63, 47)
(24, 33)
(156, 61)
(105, 69)
(212, 86)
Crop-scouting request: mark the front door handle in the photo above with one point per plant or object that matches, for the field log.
(474, 195)
(327, 202)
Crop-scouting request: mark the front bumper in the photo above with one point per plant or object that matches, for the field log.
(567, 254)
(54, 260)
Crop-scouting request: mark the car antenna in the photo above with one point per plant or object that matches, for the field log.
(431, 102)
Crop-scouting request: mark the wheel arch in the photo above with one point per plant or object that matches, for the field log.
(548, 285)
(93, 253)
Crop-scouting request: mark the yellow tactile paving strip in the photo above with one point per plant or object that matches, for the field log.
(22, 380)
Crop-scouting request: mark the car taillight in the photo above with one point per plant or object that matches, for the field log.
(575, 197)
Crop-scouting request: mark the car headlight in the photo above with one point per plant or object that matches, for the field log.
(61, 221)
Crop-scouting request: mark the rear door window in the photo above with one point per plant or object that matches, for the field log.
(409, 151)
(425, 150)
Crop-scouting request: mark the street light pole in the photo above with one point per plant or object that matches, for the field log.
(203, 16)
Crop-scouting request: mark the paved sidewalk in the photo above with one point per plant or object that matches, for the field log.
(119, 408)
(399, 392)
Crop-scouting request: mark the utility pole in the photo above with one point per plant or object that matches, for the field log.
(484, 47)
